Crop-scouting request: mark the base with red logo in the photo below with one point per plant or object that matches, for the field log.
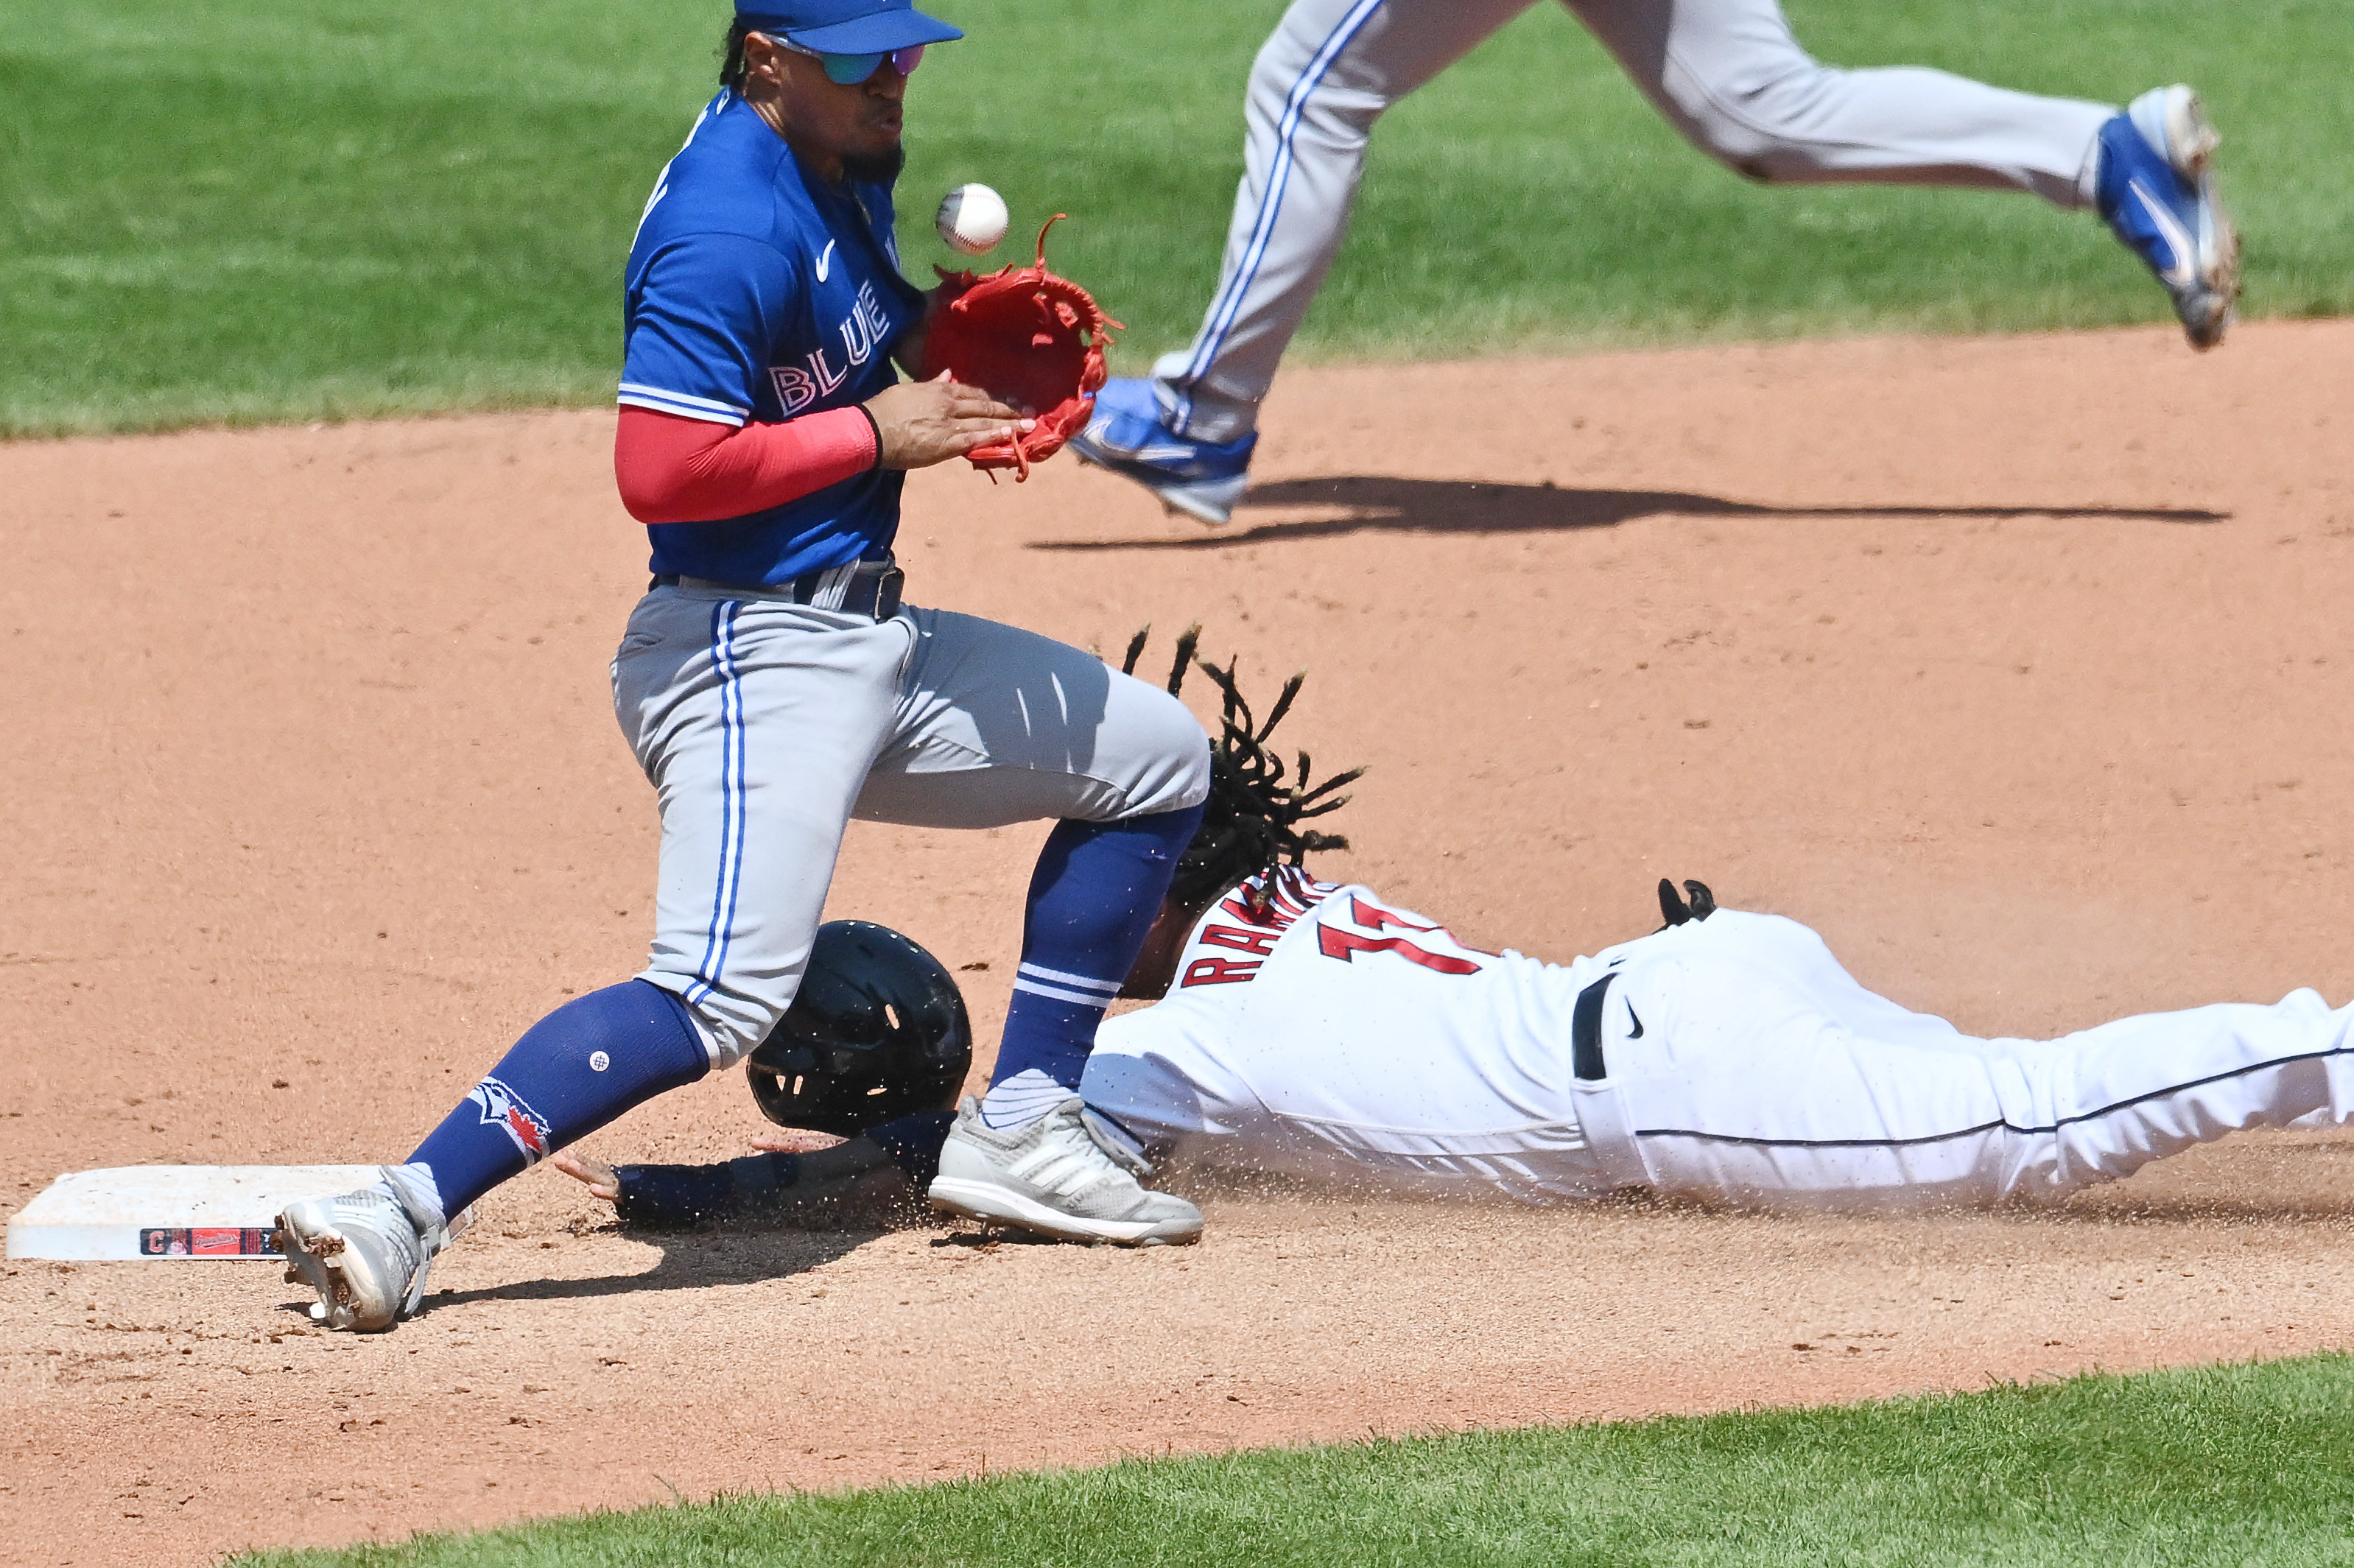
(137, 1213)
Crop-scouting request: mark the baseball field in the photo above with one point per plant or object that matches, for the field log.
(1883, 557)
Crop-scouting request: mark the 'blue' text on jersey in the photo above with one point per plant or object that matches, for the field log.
(757, 292)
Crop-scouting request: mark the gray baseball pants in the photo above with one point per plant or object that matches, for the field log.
(765, 726)
(1726, 73)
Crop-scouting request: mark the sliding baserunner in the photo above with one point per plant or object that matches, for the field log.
(1320, 1030)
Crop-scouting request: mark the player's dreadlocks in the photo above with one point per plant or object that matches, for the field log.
(731, 55)
(1251, 821)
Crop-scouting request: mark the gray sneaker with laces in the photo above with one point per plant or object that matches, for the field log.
(363, 1252)
(1070, 1174)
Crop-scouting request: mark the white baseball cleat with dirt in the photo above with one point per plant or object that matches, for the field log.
(1070, 1174)
(362, 1253)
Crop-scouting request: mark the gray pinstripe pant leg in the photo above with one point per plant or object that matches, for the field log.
(765, 726)
(1726, 73)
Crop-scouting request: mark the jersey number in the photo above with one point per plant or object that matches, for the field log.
(1335, 943)
(1345, 945)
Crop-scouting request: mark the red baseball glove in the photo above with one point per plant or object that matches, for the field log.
(1027, 337)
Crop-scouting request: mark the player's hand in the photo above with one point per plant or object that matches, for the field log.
(598, 1176)
(924, 422)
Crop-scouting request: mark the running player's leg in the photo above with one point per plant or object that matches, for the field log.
(1749, 1084)
(1730, 76)
(1318, 84)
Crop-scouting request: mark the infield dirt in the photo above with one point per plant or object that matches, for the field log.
(2017, 667)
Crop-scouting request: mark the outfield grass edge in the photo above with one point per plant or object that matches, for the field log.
(350, 409)
(2178, 1465)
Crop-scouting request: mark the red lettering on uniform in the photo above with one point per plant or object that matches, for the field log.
(1374, 917)
(1218, 971)
(1259, 942)
(1345, 946)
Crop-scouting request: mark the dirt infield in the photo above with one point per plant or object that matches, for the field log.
(2017, 668)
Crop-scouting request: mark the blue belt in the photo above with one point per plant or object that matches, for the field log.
(863, 587)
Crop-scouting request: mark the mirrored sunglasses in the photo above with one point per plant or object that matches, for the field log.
(848, 70)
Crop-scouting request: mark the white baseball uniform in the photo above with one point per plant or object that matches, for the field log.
(1726, 73)
(1729, 1058)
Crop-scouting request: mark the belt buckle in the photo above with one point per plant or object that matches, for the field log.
(886, 593)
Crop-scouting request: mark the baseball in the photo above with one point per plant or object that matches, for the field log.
(971, 219)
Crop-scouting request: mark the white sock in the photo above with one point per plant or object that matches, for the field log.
(1022, 1100)
(414, 1189)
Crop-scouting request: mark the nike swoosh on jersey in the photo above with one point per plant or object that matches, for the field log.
(825, 258)
(2185, 271)
(1636, 1033)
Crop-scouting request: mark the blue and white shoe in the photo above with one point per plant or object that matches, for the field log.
(2156, 188)
(1200, 479)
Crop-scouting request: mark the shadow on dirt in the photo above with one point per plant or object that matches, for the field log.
(1388, 505)
(690, 1261)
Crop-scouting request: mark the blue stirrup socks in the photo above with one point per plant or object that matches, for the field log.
(1096, 890)
(1094, 895)
(575, 1070)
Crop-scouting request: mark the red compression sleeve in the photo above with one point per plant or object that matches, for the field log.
(675, 469)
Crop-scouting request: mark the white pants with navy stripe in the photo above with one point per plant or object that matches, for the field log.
(1763, 1072)
(765, 726)
(1726, 73)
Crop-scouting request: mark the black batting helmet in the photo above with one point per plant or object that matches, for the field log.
(877, 1030)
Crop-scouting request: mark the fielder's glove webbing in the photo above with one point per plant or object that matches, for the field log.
(1026, 337)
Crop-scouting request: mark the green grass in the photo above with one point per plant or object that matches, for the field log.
(2221, 1465)
(247, 211)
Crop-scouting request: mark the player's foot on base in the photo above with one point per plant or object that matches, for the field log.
(1200, 479)
(2156, 187)
(1068, 1174)
(362, 1253)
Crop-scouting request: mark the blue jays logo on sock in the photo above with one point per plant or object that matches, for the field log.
(504, 1109)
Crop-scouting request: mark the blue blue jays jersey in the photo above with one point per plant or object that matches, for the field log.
(756, 291)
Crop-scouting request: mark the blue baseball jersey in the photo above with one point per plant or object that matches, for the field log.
(756, 291)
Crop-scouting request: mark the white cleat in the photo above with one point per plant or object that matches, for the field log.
(362, 1253)
(1070, 1174)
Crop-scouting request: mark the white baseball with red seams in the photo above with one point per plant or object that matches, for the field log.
(1339, 1035)
(971, 219)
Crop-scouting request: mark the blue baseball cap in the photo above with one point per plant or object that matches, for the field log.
(846, 27)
